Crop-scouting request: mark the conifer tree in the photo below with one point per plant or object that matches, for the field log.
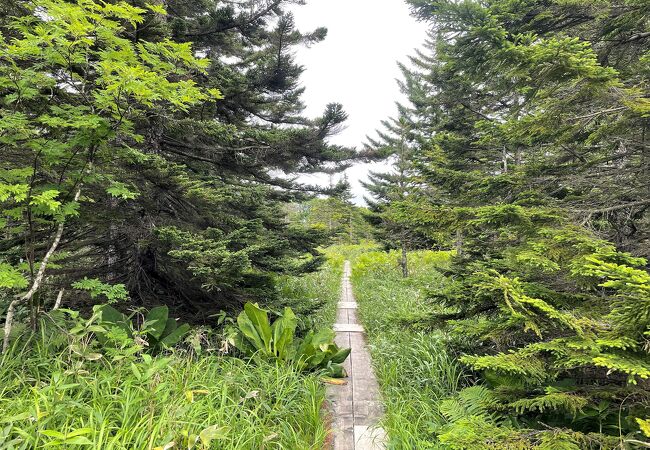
(531, 120)
(397, 143)
(190, 212)
(73, 91)
(336, 215)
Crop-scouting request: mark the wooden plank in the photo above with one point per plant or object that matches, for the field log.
(347, 305)
(348, 328)
(356, 407)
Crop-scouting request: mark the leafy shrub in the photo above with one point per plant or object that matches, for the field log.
(256, 336)
(159, 330)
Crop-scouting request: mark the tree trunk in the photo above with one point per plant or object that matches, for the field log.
(459, 242)
(59, 298)
(38, 280)
(350, 225)
(112, 254)
(30, 294)
(404, 263)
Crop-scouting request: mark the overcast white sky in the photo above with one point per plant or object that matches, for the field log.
(356, 65)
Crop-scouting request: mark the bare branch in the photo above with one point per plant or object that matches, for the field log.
(38, 280)
(615, 208)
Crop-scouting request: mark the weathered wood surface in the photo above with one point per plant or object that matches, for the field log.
(356, 407)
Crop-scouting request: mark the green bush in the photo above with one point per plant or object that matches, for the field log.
(420, 262)
(257, 337)
(159, 330)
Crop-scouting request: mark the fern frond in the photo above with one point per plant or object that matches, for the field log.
(471, 401)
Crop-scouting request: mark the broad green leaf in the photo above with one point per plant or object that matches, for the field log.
(341, 356)
(170, 326)
(253, 322)
(284, 329)
(157, 321)
(323, 339)
(110, 315)
(175, 336)
(336, 371)
(260, 320)
(209, 434)
(113, 319)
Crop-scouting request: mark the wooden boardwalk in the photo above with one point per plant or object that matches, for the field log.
(356, 407)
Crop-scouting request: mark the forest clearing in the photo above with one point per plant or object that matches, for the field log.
(191, 258)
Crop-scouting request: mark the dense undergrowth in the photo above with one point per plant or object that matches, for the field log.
(523, 146)
(416, 371)
(59, 390)
(437, 398)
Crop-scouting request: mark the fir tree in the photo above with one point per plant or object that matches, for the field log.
(397, 143)
(336, 215)
(189, 212)
(530, 123)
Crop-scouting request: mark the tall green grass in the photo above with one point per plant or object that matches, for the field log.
(55, 393)
(415, 370)
(135, 404)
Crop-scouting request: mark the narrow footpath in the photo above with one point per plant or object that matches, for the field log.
(356, 407)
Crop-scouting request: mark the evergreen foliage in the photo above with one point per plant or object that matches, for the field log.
(145, 146)
(388, 188)
(528, 121)
(334, 216)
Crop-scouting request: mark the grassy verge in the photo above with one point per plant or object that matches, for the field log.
(415, 371)
(54, 393)
(48, 400)
(313, 297)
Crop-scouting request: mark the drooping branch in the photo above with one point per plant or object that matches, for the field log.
(633, 38)
(239, 23)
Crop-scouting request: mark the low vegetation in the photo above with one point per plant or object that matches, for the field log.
(151, 158)
(255, 336)
(53, 397)
(448, 388)
(415, 368)
(63, 388)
